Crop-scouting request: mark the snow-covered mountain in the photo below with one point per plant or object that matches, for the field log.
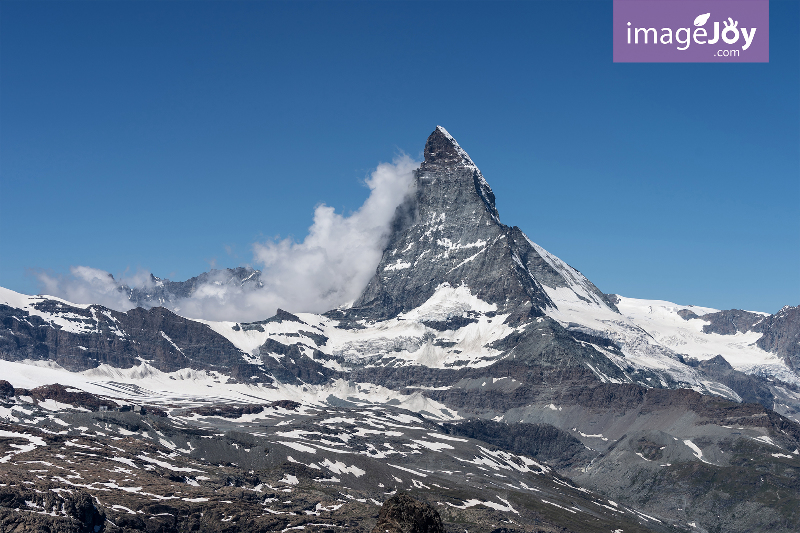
(467, 322)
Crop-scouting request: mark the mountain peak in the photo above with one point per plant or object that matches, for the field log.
(451, 237)
(451, 170)
(442, 150)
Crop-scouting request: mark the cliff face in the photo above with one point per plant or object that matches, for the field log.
(781, 335)
(83, 337)
(450, 232)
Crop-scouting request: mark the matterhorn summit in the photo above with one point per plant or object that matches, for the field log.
(450, 232)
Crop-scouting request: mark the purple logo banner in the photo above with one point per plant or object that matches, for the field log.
(691, 31)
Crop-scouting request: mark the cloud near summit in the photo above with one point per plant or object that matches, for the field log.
(329, 268)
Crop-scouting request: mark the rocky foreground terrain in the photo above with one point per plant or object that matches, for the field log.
(278, 467)
(479, 383)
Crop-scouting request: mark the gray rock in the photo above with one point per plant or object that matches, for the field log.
(750, 388)
(403, 514)
(730, 322)
(782, 335)
(103, 336)
(450, 232)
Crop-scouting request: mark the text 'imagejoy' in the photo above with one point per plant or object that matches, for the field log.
(660, 31)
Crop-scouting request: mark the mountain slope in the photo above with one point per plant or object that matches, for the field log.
(451, 233)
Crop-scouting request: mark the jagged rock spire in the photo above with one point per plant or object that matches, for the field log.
(449, 173)
(451, 234)
(442, 150)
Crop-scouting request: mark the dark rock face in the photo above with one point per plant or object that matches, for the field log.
(78, 511)
(542, 441)
(450, 232)
(6, 389)
(235, 411)
(227, 411)
(98, 335)
(403, 514)
(284, 316)
(75, 398)
(750, 389)
(730, 322)
(782, 335)
(687, 314)
(294, 366)
(192, 344)
(27, 336)
(280, 317)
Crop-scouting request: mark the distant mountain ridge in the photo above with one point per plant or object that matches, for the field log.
(163, 292)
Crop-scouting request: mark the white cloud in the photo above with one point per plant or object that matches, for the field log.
(91, 285)
(328, 269)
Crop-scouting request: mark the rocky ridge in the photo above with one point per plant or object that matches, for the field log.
(166, 293)
(451, 233)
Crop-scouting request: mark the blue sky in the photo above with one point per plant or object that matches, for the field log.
(170, 136)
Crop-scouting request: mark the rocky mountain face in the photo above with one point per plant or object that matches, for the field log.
(781, 335)
(750, 388)
(479, 375)
(728, 322)
(82, 338)
(451, 233)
